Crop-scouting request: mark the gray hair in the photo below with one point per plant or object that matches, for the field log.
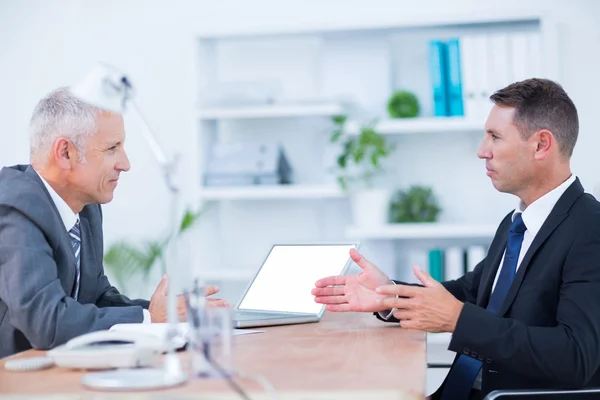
(60, 114)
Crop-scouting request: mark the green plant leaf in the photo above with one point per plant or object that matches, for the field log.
(337, 134)
(339, 119)
(189, 219)
(342, 182)
(417, 204)
(364, 152)
(125, 259)
(342, 160)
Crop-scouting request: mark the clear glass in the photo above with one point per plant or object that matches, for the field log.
(210, 337)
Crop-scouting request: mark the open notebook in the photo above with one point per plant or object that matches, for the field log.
(160, 330)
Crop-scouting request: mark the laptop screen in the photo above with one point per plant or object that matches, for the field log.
(289, 273)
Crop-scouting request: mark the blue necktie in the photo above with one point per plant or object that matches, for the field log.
(464, 371)
(75, 235)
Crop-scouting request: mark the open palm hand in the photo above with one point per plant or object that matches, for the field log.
(353, 292)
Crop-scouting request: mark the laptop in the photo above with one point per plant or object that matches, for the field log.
(280, 293)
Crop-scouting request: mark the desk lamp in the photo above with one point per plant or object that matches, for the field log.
(108, 88)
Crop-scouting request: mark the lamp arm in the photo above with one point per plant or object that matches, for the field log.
(171, 363)
(158, 152)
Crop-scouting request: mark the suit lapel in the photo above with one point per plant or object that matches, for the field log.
(66, 275)
(557, 215)
(495, 255)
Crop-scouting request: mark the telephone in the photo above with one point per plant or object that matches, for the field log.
(109, 349)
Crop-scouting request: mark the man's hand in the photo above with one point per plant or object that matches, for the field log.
(353, 292)
(431, 308)
(158, 302)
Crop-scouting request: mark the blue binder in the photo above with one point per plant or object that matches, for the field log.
(439, 80)
(454, 96)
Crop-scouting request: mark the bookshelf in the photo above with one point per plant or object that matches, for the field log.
(320, 71)
(413, 231)
(281, 192)
(271, 111)
(425, 125)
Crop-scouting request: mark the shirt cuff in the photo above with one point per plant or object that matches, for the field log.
(386, 314)
(147, 318)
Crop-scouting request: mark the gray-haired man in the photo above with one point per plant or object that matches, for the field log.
(52, 282)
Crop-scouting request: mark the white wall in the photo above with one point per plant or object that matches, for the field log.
(45, 44)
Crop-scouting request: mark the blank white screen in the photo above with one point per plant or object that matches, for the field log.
(290, 272)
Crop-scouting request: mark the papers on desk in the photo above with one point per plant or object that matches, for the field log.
(159, 330)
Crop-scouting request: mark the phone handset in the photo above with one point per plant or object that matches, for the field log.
(97, 337)
(105, 350)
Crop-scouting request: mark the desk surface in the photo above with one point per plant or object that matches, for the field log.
(347, 356)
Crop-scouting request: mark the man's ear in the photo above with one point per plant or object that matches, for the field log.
(64, 153)
(544, 140)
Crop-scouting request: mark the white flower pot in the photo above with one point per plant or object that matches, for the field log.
(370, 207)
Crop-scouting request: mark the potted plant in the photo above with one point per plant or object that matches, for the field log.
(126, 260)
(417, 204)
(358, 166)
(403, 104)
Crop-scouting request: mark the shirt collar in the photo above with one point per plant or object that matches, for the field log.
(68, 217)
(537, 212)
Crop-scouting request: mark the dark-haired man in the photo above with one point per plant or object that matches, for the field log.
(528, 316)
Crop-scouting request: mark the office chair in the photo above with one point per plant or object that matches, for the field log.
(535, 394)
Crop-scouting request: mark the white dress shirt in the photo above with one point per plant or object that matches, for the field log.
(534, 217)
(69, 219)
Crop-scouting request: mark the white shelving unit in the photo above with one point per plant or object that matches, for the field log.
(424, 125)
(271, 111)
(272, 192)
(339, 66)
(416, 231)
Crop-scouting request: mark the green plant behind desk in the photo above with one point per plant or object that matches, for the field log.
(126, 260)
(417, 204)
(403, 104)
(360, 160)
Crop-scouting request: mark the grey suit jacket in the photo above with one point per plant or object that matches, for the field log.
(37, 270)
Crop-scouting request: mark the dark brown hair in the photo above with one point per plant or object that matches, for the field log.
(541, 104)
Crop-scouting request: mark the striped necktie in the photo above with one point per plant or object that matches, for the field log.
(75, 234)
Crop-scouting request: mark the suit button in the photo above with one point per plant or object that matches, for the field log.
(488, 360)
(466, 351)
(474, 354)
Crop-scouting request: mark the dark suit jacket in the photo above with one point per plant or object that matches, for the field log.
(548, 333)
(37, 270)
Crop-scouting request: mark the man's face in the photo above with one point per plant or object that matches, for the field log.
(508, 157)
(96, 178)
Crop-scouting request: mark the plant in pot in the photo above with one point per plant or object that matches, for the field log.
(417, 204)
(358, 165)
(403, 104)
(126, 260)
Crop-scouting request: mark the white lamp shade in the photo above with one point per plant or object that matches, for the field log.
(105, 87)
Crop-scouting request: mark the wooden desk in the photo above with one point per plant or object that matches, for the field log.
(345, 356)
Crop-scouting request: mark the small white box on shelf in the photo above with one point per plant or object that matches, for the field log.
(253, 163)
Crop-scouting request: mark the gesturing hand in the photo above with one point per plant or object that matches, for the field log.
(158, 302)
(430, 308)
(353, 292)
